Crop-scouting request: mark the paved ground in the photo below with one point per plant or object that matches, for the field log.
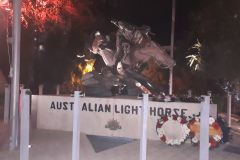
(57, 145)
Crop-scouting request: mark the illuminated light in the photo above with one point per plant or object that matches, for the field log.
(138, 84)
(80, 56)
(4, 5)
(195, 60)
(88, 67)
(41, 48)
(144, 89)
(85, 69)
(149, 84)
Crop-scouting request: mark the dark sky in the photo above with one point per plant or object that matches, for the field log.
(155, 13)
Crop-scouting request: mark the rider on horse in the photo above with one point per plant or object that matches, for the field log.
(133, 48)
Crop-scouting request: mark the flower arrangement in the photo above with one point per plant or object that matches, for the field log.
(190, 99)
(165, 129)
(158, 97)
(173, 98)
(163, 98)
(215, 133)
(175, 130)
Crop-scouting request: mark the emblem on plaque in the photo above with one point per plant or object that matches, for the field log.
(113, 125)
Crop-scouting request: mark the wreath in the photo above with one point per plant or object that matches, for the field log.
(172, 130)
(215, 132)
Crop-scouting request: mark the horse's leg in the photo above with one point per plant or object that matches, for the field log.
(151, 86)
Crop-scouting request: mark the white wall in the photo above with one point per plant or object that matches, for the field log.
(56, 113)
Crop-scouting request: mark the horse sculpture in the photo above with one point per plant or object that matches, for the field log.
(134, 48)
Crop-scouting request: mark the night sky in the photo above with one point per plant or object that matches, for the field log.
(155, 13)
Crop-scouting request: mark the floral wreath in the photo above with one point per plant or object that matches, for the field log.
(163, 98)
(162, 133)
(214, 126)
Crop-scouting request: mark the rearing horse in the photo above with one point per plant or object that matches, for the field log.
(134, 57)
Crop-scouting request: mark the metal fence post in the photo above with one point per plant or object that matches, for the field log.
(229, 106)
(143, 140)
(76, 127)
(16, 73)
(209, 93)
(6, 103)
(24, 128)
(204, 128)
(57, 89)
(21, 86)
(40, 89)
(189, 93)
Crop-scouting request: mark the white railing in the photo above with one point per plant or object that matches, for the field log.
(204, 128)
(7, 103)
(143, 139)
(76, 127)
(229, 107)
(24, 130)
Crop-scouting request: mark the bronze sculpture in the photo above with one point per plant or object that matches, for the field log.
(134, 48)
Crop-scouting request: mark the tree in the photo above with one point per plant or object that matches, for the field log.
(46, 14)
(53, 34)
(216, 26)
(156, 74)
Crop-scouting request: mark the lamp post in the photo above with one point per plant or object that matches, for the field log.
(172, 45)
(16, 73)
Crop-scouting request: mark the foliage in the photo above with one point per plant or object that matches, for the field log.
(196, 61)
(186, 80)
(60, 26)
(154, 73)
(47, 14)
(216, 26)
(227, 136)
(53, 66)
(190, 99)
(221, 102)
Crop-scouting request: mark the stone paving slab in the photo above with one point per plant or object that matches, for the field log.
(57, 145)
